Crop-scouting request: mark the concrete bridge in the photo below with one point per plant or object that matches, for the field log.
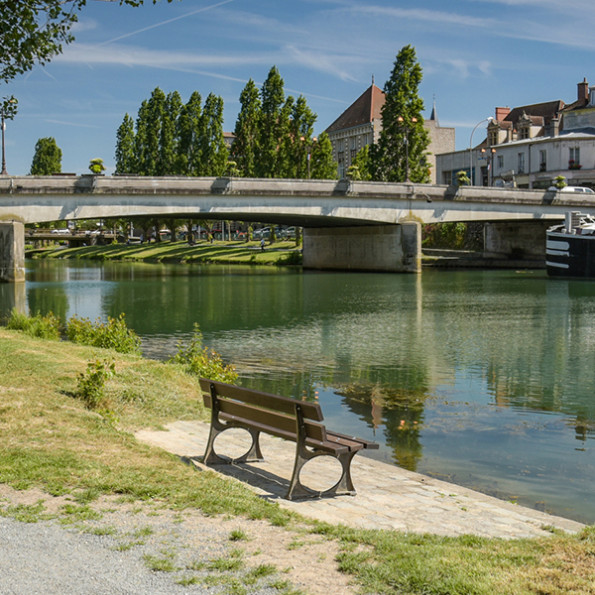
(347, 225)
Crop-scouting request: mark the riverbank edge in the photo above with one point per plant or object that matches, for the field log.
(436, 551)
(280, 255)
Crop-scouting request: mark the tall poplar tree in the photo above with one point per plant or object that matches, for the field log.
(189, 129)
(245, 148)
(47, 159)
(401, 149)
(155, 114)
(299, 143)
(140, 139)
(125, 147)
(168, 142)
(271, 124)
(213, 148)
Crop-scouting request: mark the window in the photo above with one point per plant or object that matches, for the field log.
(521, 168)
(542, 160)
(500, 162)
(341, 161)
(574, 158)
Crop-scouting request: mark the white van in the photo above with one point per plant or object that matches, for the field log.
(577, 189)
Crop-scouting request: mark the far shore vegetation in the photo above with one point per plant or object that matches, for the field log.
(68, 414)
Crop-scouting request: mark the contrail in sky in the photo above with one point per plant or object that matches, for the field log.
(183, 16)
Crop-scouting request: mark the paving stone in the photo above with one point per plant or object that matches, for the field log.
(388, 497)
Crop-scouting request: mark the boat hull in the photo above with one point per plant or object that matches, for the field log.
(570, 255)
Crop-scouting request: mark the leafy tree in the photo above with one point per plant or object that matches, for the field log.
(140, 139)
(401, 149)
(271, 124)
(245, 146)
(125, 144)
(34, 31)
(47, 159)
(213, 148)
(189, 124)
(361, 164)
(299, 143)
(322, 164)
(154, 114)
(169, 141)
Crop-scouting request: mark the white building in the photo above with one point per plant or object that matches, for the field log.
(529, 146)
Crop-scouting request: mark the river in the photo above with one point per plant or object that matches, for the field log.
(481, 378)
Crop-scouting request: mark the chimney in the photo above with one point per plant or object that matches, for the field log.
(583, 92)
(501, 113)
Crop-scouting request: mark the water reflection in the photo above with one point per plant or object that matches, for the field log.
(483, 377)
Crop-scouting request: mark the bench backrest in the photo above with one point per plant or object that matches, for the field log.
(270, 413)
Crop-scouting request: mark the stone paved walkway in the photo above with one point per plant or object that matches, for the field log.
(388, 497)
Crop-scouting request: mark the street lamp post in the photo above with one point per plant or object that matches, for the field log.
(489, 155)
(471, 176)
(309, 146)
(8, 110)
(401, 121)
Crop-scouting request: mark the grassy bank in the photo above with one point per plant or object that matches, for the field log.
(280, 253)
(51, 441)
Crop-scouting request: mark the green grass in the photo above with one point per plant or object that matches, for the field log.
(281, 253)
(51, 441)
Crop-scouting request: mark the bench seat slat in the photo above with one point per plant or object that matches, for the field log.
(358, 443)
(268, 401)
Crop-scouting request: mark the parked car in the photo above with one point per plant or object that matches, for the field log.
(577, 189)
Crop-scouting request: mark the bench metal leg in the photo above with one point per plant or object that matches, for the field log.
(252, 454)
(218, 427)
(302, 455)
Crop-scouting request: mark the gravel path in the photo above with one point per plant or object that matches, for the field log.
(44, 558)
(123, 549)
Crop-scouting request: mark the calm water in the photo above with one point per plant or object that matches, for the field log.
(486, 379)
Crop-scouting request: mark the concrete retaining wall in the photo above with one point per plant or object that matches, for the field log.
(388, 248)
(519, 240)
(12, 251)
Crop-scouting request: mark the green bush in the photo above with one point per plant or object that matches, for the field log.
(45, 327)
(114, 334)
(92, 383)
(202, 361)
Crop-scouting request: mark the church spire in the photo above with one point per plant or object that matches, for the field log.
(434, 114)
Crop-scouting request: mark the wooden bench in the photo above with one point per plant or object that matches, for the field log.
(298, 421)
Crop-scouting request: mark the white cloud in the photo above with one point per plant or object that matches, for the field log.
(114, 54)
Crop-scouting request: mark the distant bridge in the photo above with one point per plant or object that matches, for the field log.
(347, 225)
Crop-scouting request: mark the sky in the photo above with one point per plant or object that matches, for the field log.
(475, 55)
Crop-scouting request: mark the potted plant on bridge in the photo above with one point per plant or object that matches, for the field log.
(96, 166)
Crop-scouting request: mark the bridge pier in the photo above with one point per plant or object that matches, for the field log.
(12, 251)
(386, 248)
(520, 240)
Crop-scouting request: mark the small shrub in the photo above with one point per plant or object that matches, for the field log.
(202, 361)
(114, 334)
(44, 327)
(91, 384)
